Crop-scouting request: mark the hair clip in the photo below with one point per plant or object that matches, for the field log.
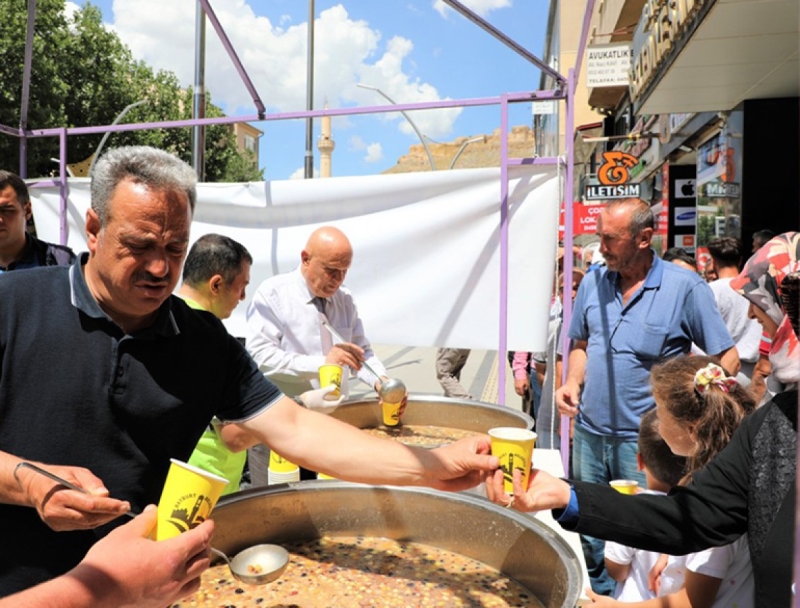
(713, 375)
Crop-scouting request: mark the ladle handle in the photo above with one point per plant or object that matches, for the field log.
(59, 480)
(222, 555)
(336, 335)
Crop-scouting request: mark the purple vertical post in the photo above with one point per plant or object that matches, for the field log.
(503, 348)
(566, 297)
(64, 187)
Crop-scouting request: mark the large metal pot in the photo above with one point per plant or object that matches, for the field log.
(433, 410)
(516, 544)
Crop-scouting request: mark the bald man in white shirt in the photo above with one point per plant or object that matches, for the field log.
(285, 335)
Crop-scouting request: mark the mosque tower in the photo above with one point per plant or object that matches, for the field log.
(325, 145)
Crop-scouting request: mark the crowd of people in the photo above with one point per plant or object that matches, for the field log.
(684, 384)
(152, 375)
(730, 519)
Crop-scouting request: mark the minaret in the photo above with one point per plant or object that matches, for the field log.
(325, 145)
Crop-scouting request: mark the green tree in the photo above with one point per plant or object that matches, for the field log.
(83, 75)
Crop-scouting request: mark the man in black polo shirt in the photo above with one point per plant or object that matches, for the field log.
(105, 376)
(18, 248)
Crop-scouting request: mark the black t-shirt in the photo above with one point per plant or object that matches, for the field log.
(75, 390)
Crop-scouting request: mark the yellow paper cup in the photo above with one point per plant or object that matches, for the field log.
(331, 374)
(278, 464)
(391, 413)
(514, 448)
(188, 497)
(624, 486)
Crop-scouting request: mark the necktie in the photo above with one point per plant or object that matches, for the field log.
(319, 303)
(325, 336)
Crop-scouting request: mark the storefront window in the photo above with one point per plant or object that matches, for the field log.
(719, 187)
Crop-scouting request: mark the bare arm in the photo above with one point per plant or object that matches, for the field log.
(619, 572)
(127, 569)
(235, 438)
(699, 591)
(58, 506)
(325, 444)
(729, 359)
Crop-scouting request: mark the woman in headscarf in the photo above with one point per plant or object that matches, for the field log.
(762, 282)
(749, 487)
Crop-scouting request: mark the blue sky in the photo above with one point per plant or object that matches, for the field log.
(413, 50)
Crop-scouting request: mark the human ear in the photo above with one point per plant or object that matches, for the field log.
(93, 228)
(215, 283)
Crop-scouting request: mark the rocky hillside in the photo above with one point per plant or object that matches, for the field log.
(485, 153)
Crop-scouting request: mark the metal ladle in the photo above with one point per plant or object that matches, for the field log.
(337, 336)
(258, 565)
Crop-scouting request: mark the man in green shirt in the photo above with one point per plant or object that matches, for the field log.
(215, 276)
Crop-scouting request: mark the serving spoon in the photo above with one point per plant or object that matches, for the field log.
(257, 565)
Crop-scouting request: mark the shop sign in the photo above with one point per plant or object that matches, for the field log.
(613, 176)
(662, 24)
(685, 216)
(608, 65)
(584, 219)
(601, 193)
(686, 241)
(722, 190)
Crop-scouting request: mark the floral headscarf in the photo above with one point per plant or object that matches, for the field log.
(760, 282)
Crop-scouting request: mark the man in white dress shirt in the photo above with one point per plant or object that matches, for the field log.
(285, 333)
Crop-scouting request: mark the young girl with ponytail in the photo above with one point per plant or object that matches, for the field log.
(698, 408)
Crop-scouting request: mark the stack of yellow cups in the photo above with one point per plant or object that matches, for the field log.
(281, 470)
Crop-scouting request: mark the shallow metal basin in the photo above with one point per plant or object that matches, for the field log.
(433, 410)
(516, 544)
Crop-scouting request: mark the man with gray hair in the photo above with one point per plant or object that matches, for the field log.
(629, 315)
(105, 376)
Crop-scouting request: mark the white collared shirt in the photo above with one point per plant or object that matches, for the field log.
(284, 333)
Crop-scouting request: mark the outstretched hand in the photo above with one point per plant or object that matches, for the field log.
(461, 465)
(543, 492)
(602, 600)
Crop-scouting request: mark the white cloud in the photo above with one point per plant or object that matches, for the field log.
(301, 173)
(387, 75)
(70, 8)
(481, 7)
(356, 143)
(346, 51)
(374, 153)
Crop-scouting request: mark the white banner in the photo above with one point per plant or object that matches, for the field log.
(426, 264)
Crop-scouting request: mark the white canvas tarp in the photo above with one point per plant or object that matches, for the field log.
(426, 267)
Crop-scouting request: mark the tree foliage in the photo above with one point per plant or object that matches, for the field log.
(83, 75)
